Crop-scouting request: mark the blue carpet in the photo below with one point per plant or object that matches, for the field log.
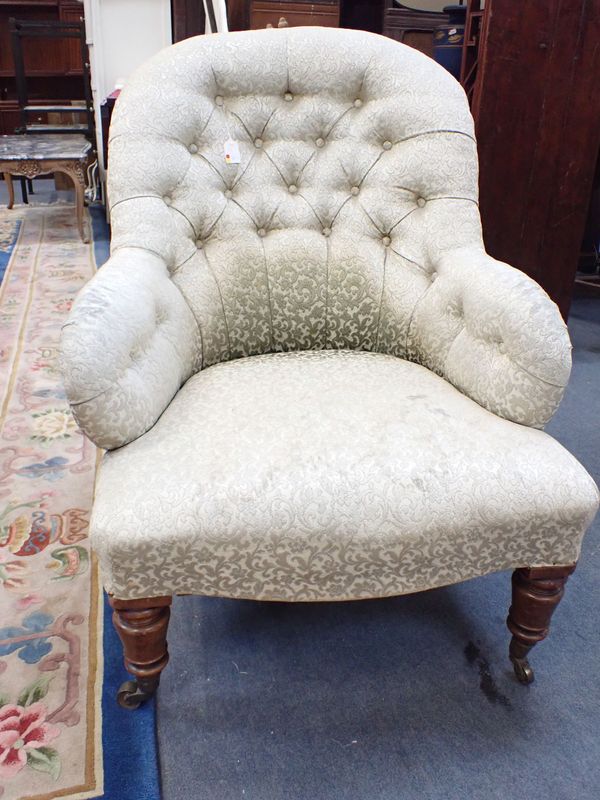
(128, 738)
(397, 699)
(8, 237)
(101, 234)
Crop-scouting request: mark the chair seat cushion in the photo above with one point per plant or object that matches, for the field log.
(331, 475)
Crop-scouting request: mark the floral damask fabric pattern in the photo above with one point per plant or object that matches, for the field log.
(300, 362)
(49, 625)
(331, 475)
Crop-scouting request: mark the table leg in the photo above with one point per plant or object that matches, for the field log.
(77, 175)
(11, 189)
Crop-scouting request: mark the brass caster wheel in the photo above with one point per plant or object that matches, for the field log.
(523, 671)
(131, 696)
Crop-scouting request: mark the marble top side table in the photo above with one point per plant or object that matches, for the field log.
(35, 155)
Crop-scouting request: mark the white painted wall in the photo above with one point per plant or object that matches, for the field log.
(121, 35)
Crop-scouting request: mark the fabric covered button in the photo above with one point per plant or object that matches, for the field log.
(199, 244)
(433, 276)
(218, 100)
(326, 231)
(261, 232)
(288, 96)
(421, 202)
(386, 241)
(258, 142)
(193, 148)
(387, 145)
(167, 200)
(292, 188)
(502, 348)
(320, 142)
(355, 190)
(358, 103)
(228, 193)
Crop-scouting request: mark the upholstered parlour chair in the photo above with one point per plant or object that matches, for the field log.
(311, 381)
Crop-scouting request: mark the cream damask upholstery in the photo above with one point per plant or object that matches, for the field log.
(312, 380)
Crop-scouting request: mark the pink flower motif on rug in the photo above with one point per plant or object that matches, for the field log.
(24, 734)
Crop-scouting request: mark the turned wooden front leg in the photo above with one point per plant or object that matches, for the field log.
(142, 628)
(536, 592)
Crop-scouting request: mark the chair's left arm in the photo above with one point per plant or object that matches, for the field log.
(495, 334)
(130, 342)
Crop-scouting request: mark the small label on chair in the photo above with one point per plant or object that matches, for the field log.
(232, 152)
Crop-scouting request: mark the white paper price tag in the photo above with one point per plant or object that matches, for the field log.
(232, 152)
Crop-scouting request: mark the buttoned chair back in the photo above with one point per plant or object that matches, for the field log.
(357, 168)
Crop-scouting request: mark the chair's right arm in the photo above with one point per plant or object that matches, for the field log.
(130, 342)
(492, 332)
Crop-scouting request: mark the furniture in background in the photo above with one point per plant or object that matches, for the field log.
(411, 27)
(366, 383)
(531, 70)
(31, 156)
(448, 39)
(79, 112)
(188, 15)
(283, 13)
(54, 70)
(31, 40)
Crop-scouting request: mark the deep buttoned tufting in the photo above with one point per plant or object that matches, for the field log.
(357, 182)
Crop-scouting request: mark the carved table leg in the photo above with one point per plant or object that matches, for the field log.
(535, 594)
(11, 189)
(76, 171)
(142, 628)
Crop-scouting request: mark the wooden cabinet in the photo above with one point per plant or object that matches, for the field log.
(268, 13)
(532, 72)
(411, 27)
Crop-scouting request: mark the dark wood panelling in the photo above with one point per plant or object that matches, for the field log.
(49, 59)
(72, 12)
(364, 15)
(538, 128)
(187, 18)
(238, 14)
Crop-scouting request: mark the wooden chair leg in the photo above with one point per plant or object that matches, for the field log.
(142, 628)
(535, 594)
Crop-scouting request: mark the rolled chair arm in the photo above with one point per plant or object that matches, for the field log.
(128, 345)
(495, 334)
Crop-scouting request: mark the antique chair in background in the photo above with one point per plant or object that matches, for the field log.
(311, 380)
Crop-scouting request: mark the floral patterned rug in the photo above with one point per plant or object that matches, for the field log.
(50, 607)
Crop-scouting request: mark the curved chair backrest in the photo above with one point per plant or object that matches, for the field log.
(357, 171)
